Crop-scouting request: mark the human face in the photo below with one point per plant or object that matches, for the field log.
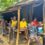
(14, 18)
(23, 20)
(35, 19)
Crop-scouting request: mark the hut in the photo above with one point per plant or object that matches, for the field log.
(34, 8)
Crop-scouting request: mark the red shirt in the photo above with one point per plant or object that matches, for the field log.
(34, 23)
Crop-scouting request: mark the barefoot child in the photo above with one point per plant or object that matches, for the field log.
(33, 34)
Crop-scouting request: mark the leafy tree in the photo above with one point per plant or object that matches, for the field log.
(4, 4)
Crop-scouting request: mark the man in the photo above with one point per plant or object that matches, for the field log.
(23, 27)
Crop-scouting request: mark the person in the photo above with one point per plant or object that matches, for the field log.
(13, 25)
(40, 28)
(40, 31)
(33, 34)
(4, 25)
(35, 22)
(23, 27)
(13, 22)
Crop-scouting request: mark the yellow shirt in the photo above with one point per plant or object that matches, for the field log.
(23, 24)
(13, 24)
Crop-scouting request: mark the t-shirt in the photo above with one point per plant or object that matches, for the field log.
(34, 23)
(40, 30)
(23, 24)
(32, 30)
(13, 23)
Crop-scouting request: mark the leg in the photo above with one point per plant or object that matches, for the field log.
(28, 42)
(26, 33)
(44, 40)
(14, 33)
(37, 40)
(9, 37)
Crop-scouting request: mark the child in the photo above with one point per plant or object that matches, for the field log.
(40, 28)
(23, 27)
(4, 25)
(33, 34)
(40, 32)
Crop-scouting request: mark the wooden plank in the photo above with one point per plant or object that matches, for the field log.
(17, 39)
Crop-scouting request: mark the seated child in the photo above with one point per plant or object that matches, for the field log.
(33, 33)
(13, 23)
(23, 27)
(40, 28)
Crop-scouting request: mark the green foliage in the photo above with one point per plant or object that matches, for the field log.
(4, 4)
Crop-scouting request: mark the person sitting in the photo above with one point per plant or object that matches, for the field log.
(33, 34)
(12, 26)
(23, 27)
(13, 23)
(35, 22)
(4, 25)
(40, 28)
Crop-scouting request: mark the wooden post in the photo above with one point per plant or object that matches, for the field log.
(44, 16)
(44, 22)
(25, 12)
(31, 11)
(17, 39)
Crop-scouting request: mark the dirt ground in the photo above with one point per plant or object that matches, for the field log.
(5, 41)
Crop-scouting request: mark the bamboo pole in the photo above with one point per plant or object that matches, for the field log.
(44, 16)
(17, 39)
(44, 23)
